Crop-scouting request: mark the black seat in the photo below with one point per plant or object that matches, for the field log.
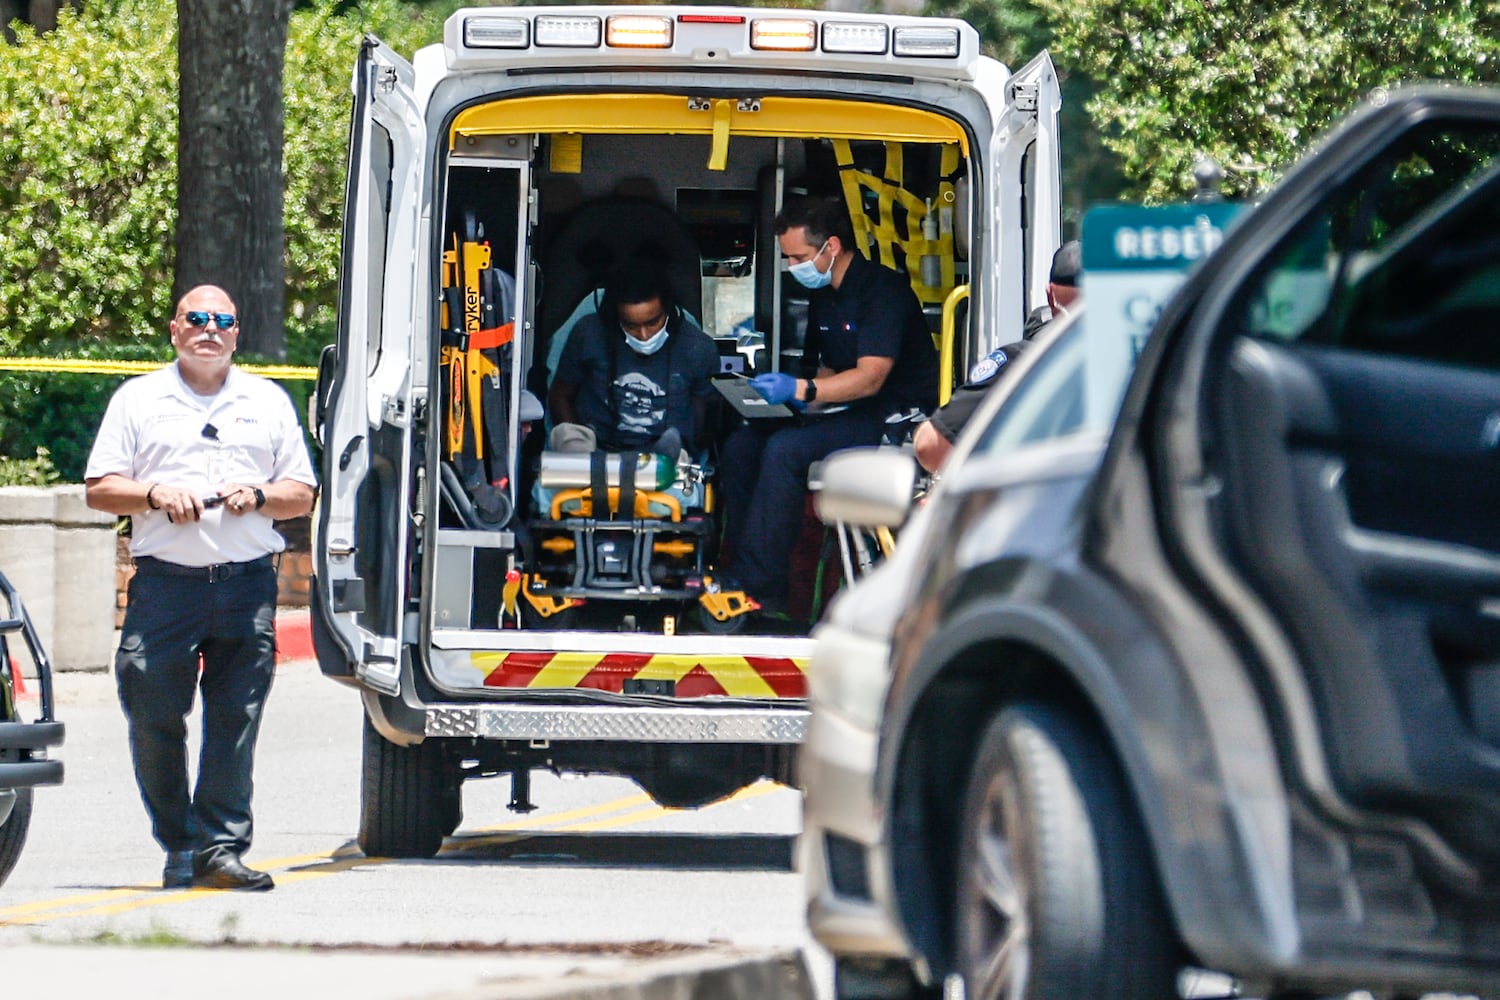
(602, 234)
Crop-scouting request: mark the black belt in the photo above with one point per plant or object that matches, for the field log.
(213, 574)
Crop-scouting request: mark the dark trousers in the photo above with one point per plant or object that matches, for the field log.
(169, 622)
(763, 470)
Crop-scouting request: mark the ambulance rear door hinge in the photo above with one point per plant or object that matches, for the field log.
(385, 80)
(393, 411)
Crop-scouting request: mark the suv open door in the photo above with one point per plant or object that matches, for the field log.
(366, 395)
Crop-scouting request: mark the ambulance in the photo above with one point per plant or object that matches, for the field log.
(504, 608)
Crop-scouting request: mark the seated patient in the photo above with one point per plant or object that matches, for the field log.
(635, 374)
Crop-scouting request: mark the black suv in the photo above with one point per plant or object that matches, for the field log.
(23, 745)
(1218, 688)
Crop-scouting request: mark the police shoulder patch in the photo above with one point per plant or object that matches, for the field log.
(988, 366)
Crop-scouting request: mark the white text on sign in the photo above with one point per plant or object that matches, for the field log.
(1168, 243)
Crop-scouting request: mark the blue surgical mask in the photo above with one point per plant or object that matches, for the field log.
(651, 344)
(807, 273)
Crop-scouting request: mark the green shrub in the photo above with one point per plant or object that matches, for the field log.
(35, 471)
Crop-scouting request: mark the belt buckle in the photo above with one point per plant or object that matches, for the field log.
(217, 572)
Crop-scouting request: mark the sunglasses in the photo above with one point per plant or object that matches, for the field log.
(196, 318)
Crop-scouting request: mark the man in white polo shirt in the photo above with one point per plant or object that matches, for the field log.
(203, 458)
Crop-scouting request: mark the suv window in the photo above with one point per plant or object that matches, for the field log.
(1068, 391)
(1403, 259)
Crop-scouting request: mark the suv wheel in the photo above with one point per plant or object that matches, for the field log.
(1056, 896)
(13, 832)
(408, 800)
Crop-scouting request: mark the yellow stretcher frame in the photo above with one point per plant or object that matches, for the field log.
(677, 114)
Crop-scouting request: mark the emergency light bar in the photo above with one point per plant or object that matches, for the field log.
(716, 33)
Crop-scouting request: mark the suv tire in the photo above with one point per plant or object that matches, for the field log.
(1056, 897)
(406, 799)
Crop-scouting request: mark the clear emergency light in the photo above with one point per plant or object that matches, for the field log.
(497, 33)
(854, 36)
(562, 31)
(927, 43)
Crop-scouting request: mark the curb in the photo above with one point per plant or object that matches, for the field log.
(780, 975)
(250, 973)
(294, 635)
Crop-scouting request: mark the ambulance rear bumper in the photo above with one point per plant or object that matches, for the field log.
(782, 724)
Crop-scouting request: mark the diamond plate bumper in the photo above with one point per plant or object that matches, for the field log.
(608, 722)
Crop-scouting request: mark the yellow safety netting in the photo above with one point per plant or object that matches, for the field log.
(927, 233)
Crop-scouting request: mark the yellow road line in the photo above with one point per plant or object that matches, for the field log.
(128, 898)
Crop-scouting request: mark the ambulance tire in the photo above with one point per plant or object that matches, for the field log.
(688, 791)
(406, 800)
(13, 832)
(879, 979)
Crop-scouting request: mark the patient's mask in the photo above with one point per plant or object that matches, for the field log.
(807, 273)
(651, 344)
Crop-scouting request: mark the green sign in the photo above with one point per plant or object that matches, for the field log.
(1167, 237)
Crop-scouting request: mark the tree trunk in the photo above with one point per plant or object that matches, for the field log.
(230, 232)
(43, 14)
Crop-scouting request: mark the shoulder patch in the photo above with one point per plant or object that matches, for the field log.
(988, 366)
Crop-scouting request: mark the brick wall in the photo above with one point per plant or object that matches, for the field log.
(292, 583)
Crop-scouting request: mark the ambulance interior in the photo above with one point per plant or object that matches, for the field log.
(539, 202)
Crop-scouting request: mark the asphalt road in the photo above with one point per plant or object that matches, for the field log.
(599, 886)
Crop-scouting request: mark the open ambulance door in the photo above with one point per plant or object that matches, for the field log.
(363, 417)
(1026, 171)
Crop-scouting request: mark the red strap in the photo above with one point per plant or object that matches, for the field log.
(495, 336)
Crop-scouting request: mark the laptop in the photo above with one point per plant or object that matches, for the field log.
(746, 401)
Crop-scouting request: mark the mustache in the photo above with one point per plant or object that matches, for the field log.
(208, 335)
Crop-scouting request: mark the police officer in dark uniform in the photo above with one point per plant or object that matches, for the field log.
(934, 439)
(868, 355)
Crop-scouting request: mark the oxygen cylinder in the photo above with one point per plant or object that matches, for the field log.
(572, 469)
(932, 265)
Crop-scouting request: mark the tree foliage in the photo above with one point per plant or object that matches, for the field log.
(88, 187)
(1252, 82)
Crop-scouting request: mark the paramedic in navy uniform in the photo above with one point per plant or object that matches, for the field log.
(868, 355)
(202, 457)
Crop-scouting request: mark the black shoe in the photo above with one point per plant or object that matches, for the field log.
(225, 871)
(178, 871)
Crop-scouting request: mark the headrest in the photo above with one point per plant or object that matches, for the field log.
(603, 234)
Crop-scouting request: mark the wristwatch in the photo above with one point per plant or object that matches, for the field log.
(260, 497)
(812, 391)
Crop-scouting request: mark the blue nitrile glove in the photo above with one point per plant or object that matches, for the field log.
(775, 387)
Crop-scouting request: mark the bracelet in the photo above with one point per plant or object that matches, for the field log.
(260, 497)
(149, 503)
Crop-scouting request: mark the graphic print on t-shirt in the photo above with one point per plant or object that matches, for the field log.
(642, 404)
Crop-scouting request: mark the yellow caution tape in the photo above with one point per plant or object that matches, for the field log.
(104, 366)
